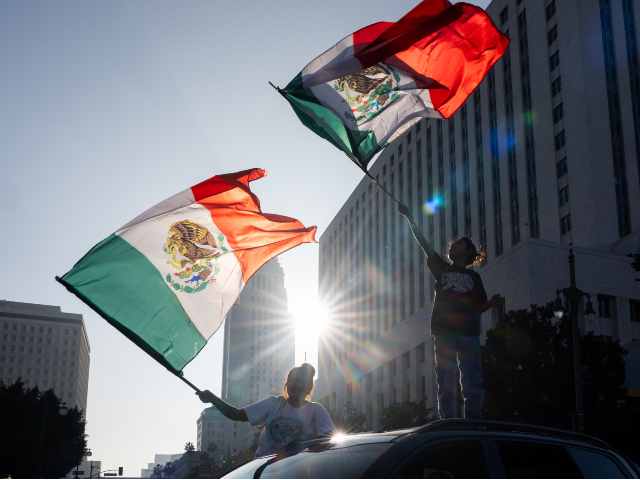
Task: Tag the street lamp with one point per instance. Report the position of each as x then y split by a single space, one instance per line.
573 295
62 410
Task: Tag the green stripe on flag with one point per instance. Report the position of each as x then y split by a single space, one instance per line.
128 291
360 146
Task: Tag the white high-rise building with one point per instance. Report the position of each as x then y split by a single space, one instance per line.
45 347
259 342
544 156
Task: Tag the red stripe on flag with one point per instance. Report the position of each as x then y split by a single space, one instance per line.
423 13
254 236
363 37
458 56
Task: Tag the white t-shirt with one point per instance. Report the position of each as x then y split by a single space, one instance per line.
284 424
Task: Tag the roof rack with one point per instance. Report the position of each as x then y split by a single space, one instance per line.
460 424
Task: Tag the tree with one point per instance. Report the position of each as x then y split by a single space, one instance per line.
407 414
347 419
527 364
158 471
189 448
636 261
250 452
21 413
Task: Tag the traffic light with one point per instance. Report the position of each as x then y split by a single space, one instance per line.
120 471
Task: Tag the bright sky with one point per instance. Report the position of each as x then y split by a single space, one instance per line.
107 108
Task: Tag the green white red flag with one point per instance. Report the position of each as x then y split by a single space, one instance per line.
168 277
373 85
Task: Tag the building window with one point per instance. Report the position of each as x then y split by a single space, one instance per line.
558 113
552 36
556 86
554 61
604 306
634 308
409 138
562 167
565 224
504 16
560 140
564 195
551 10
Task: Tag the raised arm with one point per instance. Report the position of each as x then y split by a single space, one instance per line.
426 246
229 411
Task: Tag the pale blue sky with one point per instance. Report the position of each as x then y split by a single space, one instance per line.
107 108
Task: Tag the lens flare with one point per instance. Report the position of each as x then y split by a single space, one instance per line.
432 206
528 117
509 141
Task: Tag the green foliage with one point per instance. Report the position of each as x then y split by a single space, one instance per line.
189 447
250 452
527 364
21 414
407 415
164 471
347 419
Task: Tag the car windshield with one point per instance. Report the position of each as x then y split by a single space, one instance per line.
350 462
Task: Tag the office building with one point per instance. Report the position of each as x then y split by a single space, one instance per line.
544 156
47 348
229 437
259 342
159 459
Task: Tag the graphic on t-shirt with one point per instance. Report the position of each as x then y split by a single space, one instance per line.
458 281
284 430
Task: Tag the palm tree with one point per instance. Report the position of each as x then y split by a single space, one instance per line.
189 449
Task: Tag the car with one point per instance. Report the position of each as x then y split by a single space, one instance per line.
453 448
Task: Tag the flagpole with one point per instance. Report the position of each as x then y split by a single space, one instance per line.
362 168
373 179
187 382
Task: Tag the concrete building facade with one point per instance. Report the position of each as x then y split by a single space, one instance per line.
228 436
259 343
47 348
544 156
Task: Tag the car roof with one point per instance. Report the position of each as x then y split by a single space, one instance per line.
493 426
444 426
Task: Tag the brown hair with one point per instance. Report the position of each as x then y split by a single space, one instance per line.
308 372
475 257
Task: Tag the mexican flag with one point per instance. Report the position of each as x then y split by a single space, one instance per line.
373 85
168 277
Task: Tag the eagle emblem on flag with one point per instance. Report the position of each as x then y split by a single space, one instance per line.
369 91
199 249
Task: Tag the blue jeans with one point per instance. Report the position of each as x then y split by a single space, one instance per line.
451 353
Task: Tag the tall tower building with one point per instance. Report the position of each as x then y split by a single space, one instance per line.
544 156
46 348
259 340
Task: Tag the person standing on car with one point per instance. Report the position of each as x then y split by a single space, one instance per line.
455 321
289 418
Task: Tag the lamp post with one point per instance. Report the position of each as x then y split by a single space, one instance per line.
573 295
62 410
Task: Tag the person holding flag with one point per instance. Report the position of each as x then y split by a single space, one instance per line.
288 418
455 321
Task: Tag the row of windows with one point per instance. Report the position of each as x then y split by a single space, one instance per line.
32 350
605 308
32 339
33 328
